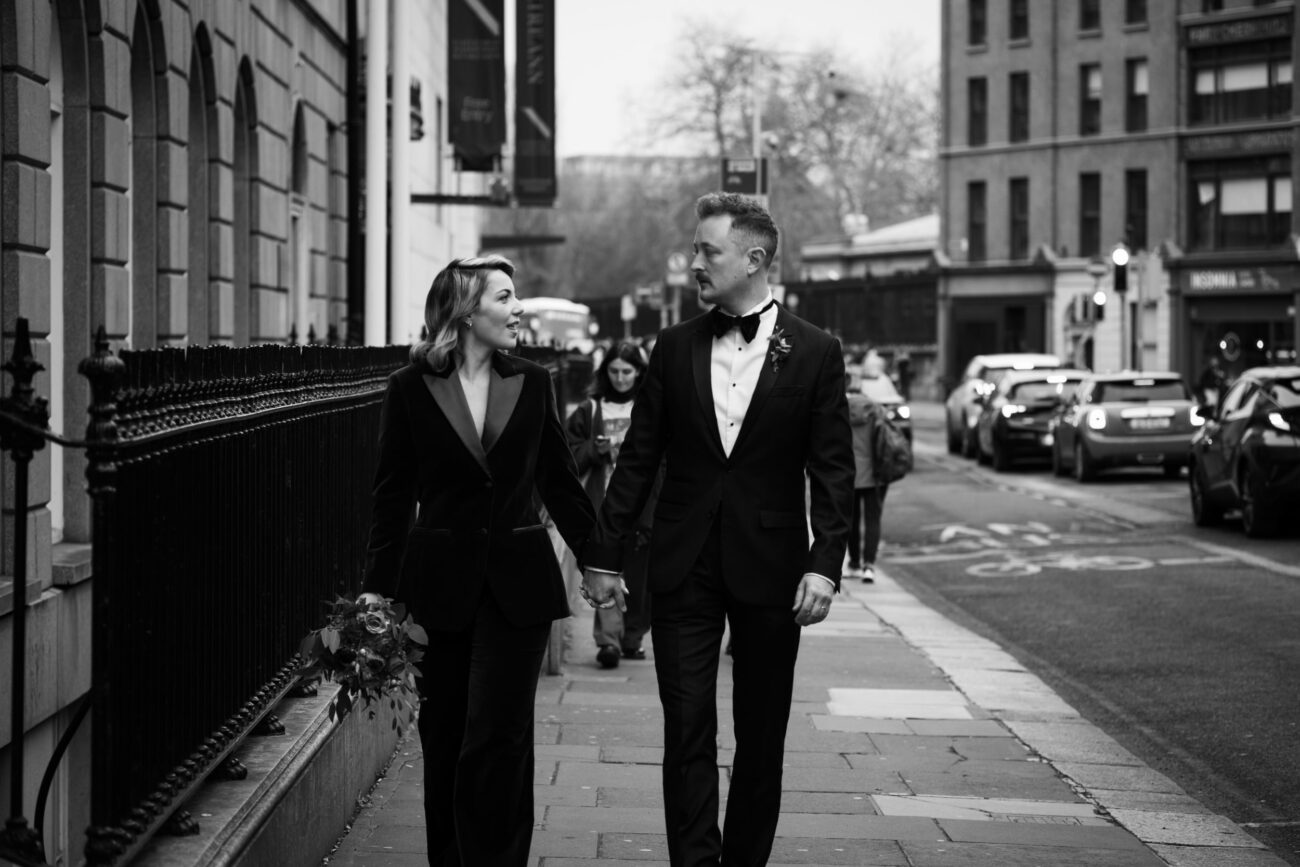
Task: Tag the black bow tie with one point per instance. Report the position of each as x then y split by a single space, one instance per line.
724 322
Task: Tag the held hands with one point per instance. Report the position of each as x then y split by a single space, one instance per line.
603 589
812 600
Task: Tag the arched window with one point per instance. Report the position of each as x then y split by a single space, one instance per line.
245 216
202 150
299 233
148 97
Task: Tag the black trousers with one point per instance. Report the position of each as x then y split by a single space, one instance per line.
864 532
688 624
476 730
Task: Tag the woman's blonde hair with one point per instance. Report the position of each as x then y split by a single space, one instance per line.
454 295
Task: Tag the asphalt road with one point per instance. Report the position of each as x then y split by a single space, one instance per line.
1179 642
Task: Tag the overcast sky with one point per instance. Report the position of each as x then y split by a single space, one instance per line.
610 54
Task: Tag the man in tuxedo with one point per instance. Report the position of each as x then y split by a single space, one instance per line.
747 404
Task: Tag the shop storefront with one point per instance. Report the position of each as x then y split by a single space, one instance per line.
1246 316
983 312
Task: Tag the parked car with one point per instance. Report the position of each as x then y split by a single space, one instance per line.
1247 456
1014 419
882 391
1125 419
962 408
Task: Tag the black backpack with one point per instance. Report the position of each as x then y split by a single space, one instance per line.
891 453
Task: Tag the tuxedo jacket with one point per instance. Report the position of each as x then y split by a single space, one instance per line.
455 515
794 438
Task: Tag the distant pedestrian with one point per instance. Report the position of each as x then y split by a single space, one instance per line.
1212 381
865 416
469 434
596 428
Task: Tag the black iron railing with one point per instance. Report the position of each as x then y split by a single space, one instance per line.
231 491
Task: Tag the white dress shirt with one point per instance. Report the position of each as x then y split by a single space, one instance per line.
734 369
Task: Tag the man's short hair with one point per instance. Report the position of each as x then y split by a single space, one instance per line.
748 218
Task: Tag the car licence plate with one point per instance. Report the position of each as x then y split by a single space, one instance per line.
1148 423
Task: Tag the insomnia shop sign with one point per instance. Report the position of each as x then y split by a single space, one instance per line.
1241 281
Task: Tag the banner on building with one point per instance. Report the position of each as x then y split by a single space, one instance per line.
476 66
535 102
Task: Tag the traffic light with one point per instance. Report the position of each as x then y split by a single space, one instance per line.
1119 258
1098 306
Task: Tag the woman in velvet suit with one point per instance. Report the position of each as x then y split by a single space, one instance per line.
468 433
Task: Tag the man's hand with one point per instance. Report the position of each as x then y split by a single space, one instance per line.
604 589
812 601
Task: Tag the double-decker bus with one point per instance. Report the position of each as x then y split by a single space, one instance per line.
556 322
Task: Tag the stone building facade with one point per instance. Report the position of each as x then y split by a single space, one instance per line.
177 172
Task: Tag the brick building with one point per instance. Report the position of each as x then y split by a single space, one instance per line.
178 173
1075 126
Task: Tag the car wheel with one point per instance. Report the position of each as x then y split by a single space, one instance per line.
1204 513
1256 519
954 441
1173 471
1001 460
1084 470
970 445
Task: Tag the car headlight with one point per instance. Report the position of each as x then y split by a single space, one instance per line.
904 411
1010 409
1277 421
1097 419
1195 417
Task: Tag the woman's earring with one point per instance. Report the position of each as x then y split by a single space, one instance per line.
469 322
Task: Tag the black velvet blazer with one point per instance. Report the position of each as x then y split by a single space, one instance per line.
794 439
476 529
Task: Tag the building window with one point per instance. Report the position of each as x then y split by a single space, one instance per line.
1246 81
1090 15
1211 5
1019 211
1135 11
1089 214
1135 208
1018 129
1090 99
976 217
1136 85
1240 204
977 104
977 33
1019 28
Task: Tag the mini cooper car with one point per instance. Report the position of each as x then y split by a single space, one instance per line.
962 408
1247 456
1014 421
1125 419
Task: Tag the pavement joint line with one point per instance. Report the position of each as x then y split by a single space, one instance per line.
915 623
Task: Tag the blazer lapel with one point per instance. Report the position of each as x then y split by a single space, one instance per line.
503 395
701 368
766 380
450 398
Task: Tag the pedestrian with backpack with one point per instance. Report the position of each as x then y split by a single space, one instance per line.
881 455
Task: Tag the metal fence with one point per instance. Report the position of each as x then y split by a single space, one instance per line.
231 491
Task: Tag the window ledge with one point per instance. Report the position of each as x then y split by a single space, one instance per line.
1022 42
1090 34
7 594
71 563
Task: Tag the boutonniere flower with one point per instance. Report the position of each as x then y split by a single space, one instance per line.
778 348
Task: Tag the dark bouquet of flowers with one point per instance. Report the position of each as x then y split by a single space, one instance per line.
370 651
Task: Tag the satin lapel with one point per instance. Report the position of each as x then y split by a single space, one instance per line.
450 398
701 363
767 378
503 395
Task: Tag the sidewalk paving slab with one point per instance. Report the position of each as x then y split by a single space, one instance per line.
912 742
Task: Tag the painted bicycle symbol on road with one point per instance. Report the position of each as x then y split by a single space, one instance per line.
1014 565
